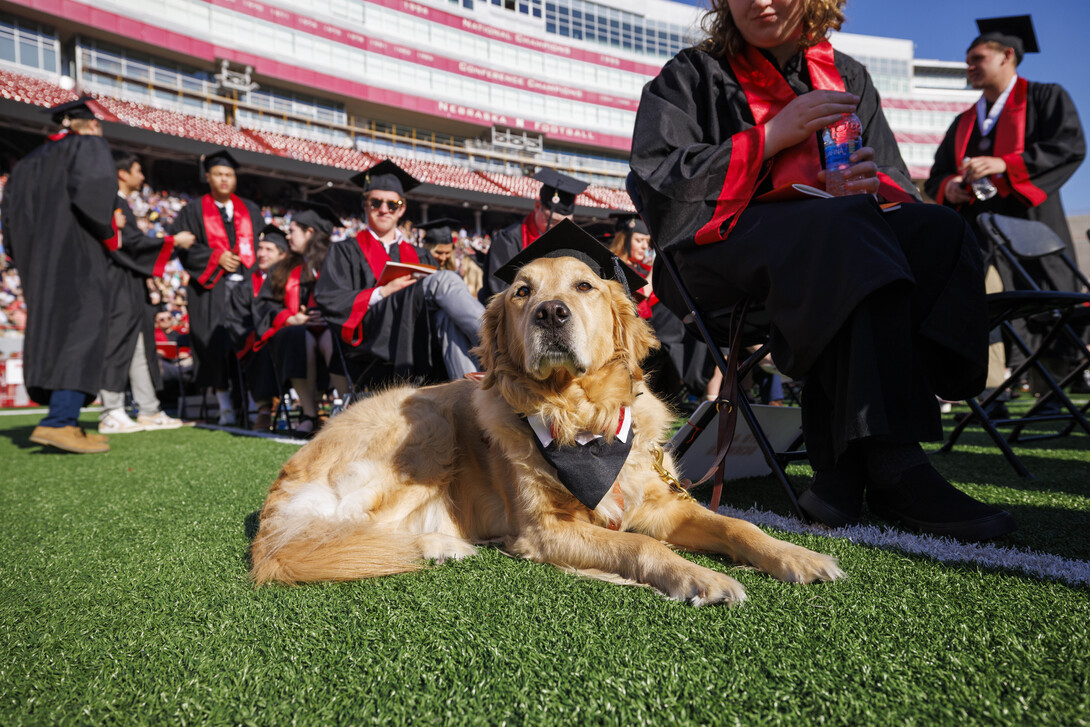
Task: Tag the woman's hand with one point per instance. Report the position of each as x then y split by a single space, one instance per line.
299 318
804 116
862 176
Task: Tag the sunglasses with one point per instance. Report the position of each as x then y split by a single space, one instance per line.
393 204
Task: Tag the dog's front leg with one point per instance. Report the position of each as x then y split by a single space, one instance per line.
580 545
690 526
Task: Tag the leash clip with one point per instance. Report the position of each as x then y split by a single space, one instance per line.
672 482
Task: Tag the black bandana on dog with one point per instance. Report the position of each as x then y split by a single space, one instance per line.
590 467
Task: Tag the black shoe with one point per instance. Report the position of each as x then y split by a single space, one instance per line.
923 500
835 497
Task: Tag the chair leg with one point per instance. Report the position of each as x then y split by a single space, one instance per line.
770 455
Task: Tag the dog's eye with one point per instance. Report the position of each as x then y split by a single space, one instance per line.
523 291
584 286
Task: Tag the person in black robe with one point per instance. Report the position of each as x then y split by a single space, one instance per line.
131 359
681 364
257 367
58 222
226 227
420 327
555 202
287 321
1028 168
1025 137
878 309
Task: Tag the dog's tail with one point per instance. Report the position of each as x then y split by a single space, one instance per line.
345 556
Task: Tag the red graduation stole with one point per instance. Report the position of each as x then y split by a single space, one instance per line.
767 93
1010 143
217 233
257 278
529 231
374 252
291 291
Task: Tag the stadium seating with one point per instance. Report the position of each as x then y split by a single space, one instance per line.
39 92
178 124
313 151
31 90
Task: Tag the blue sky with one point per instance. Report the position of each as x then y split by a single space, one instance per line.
943 28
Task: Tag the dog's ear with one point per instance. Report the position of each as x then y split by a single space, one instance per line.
633 338
491 349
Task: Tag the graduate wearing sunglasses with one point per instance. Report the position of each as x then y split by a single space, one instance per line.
422 327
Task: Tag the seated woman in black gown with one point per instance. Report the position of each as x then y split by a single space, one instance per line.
878 309
287 319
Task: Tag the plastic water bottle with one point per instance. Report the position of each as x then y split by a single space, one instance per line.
982 188
842 138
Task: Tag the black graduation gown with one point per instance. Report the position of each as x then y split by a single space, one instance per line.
257 368
1054 147
58 209
812 263
396 330
207 301
286 344
505 245
139 257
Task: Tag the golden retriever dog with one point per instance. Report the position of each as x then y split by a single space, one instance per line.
422 474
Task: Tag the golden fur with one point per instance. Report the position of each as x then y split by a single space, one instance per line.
413 475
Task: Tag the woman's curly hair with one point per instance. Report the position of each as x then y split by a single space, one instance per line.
818 17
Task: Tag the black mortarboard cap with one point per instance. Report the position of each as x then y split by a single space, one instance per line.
1013 31
629 222
439 232
558 191
316 215
218 158
567 239
272 233
69 110
386 176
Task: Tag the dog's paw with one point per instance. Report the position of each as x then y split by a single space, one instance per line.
703 587
441 548
795 564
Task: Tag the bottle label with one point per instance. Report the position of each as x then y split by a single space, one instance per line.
837 156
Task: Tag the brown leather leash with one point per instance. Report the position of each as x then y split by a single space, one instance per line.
726 404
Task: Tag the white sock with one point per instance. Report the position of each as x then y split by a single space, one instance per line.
223 398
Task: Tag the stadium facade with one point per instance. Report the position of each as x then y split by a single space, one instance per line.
475 92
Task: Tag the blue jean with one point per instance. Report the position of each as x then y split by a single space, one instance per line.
64 407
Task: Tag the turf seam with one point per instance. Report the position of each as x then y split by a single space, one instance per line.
946 550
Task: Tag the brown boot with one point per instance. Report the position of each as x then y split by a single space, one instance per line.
70 439
96 437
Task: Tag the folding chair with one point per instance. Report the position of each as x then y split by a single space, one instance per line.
1053 313
749 325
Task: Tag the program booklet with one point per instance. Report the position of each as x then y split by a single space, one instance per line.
392 270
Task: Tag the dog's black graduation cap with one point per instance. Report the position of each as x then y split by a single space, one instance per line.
1013 31
78 109
218 158
558 191
386 177
316 215
272 233
567 239
629 222
439 232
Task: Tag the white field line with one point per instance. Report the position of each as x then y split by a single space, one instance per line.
947 550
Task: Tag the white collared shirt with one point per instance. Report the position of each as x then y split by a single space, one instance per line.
986 119
229 207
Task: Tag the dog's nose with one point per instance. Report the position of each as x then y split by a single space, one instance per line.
551 314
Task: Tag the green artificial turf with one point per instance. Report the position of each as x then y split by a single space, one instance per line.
124 599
